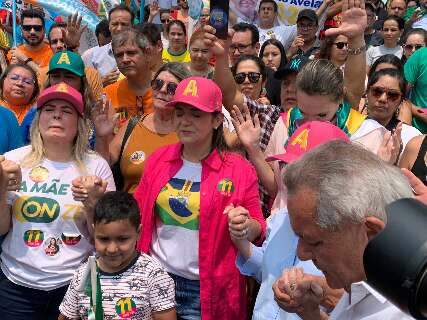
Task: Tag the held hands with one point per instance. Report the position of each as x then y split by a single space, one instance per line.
238 222
248 130
74 31
390 148
88 189
102 117
10 175
296 292
354 20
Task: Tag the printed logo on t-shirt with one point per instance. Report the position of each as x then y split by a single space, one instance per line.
125 308
137 157
36 209
33 238
225 187
39 174
178 203
71 239
52 246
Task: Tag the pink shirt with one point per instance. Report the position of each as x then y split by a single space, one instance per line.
232 180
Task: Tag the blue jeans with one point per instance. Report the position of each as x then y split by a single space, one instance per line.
187 296
22 303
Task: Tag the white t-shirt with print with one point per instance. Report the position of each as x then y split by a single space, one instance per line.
175 240
285 34
134 293
48 239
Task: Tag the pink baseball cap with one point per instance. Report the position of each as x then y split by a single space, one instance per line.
201 93
307 137
62 91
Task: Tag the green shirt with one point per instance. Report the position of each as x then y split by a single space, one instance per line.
416 74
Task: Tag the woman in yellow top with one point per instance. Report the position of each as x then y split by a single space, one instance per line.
177 50
18 89
147 133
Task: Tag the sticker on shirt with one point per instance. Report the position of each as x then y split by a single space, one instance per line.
70 239
33 238
125 308
225 187
178 204
39 174
36 209
52 246
137 157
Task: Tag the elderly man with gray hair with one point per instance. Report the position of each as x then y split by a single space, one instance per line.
337 196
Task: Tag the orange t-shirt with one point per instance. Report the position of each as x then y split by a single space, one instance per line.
19 111
41 56
126 102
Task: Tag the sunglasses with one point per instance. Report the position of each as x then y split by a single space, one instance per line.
252 76
341 45
164 20
412 47
392 95
16 77
157 84
29 27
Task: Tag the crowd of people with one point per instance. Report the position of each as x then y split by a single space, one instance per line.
170 174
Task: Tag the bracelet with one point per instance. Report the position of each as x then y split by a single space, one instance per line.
356 51
28 60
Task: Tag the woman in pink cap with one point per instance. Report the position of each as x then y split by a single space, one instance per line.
47 229
196 200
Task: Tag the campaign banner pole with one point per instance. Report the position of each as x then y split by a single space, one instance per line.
141 11
14 22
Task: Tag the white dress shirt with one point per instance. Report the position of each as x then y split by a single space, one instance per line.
364 303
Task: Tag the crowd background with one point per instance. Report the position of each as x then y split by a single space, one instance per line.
205 141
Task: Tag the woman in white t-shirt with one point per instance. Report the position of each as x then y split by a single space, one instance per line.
47 230
391 31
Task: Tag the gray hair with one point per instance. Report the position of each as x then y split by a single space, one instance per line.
321 77
350 183
133 36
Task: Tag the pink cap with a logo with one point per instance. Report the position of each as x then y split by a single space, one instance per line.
61 91
307 137
201 93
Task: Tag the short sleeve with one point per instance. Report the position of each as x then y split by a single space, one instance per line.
70 304
162 290
369 56
103 170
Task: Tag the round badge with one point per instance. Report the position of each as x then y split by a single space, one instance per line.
225 187
39 174
70 239
137 157
125 308
33 238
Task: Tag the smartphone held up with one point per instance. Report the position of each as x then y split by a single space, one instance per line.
219 17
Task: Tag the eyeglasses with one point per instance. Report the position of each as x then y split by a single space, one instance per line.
306 26
157 84
164 20
412 47
16 77
392 95
240 47
29 27
341 45
252 76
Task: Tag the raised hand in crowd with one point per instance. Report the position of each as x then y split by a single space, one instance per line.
10 175
74 31
297 43
110 77
420 190
103 117
391 146
154 11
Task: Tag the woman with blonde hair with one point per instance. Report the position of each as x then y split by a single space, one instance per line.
34 274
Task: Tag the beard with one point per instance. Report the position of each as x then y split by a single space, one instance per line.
33 41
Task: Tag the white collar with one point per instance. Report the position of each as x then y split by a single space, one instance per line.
360 290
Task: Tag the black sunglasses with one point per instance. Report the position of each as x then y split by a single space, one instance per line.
252 76
411 47
36 27
164 20
157 84
392 95
341 45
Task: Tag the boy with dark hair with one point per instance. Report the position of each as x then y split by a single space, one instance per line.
120 282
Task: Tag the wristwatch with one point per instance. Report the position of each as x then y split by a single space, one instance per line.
356 51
